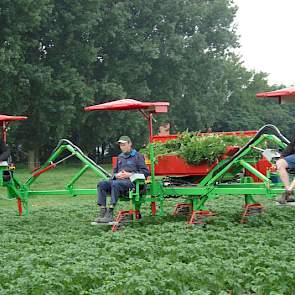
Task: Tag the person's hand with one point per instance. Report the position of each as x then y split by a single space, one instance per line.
119 175
126 174
123 174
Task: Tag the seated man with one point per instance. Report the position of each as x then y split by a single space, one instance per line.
129 161
4 152
287 161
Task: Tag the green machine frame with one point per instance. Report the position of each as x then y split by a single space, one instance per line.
156 191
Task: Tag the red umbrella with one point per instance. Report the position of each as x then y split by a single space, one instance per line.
132 104
285 95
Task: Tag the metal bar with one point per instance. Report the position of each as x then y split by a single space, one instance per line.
39 172
62 160
19 206
209 175
235 161
151 126
276 140
215 190
247 185
52 165
63 192
257 149
144 114
52 157
249 200
77 176
254 171
99 172
152 159
55 154
89 160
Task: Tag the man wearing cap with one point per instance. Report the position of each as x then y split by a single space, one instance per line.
129 161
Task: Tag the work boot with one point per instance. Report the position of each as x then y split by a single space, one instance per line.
102 213
284 198
108 217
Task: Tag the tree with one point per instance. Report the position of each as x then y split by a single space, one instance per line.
165 50
57 56
54 50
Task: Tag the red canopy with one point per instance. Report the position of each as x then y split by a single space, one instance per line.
4 118
285 95
130 104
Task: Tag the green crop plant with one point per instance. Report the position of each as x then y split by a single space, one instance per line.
195 148
56 251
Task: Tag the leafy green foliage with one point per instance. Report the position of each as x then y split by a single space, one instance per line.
57 56
56 251
196 149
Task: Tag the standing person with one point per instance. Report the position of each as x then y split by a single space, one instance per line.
129 161
164 129
287 161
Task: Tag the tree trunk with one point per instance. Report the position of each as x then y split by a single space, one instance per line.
33 159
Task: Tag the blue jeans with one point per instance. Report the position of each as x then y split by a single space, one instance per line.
290 161
116 188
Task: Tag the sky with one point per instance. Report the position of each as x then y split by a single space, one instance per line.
267 37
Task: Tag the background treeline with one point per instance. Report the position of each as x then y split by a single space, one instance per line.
57 56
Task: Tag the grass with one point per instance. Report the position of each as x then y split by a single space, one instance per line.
55 250
55 179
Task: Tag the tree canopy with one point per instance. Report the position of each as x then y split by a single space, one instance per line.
57 56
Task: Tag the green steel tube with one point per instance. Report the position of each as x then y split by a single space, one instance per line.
86 162
254 171
215 190
249 200
235 161
32 179
152 159
77 176
64 192
55 155
276 140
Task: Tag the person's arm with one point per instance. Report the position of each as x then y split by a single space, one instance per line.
5 152
141 166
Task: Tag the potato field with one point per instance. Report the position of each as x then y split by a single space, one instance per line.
55 250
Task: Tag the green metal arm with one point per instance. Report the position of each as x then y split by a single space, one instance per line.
99 171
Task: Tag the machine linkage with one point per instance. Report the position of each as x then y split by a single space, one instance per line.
213 181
